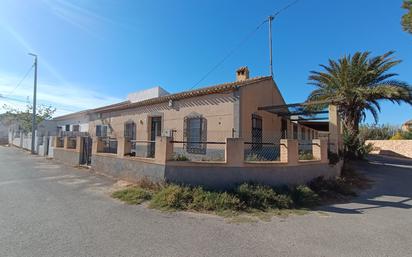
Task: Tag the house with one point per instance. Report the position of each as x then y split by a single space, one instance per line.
214 136
407 126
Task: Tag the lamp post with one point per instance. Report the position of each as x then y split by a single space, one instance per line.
33 123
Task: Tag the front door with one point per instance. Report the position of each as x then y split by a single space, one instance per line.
155 131
86 153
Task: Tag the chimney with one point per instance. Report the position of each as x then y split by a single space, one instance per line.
242 73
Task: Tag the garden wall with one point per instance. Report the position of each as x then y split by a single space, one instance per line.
398 148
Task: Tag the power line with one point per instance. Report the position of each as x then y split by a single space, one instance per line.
243 41
21 81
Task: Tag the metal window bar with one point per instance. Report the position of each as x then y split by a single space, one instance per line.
71 142
211 149
263 146
305 150
109 145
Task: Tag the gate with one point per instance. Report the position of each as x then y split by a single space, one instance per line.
86 151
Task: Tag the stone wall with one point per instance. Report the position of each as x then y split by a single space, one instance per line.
223 177
398 148
67 156
131 169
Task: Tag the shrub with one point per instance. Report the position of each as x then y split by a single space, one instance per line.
181 157
133 195
305 155
331 188
213 201
262 197
172 197
303 196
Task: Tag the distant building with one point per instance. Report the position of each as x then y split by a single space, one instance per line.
407 126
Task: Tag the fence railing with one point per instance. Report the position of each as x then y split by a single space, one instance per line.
109 145
199 145
142 148
262 146
305 150
71 142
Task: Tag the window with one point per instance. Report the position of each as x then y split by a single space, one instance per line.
295 131
76 128
101 130
303 133
257 133
67 127
195 134
130 131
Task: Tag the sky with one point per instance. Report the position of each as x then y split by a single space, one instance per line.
93 53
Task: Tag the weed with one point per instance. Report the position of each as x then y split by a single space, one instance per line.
133 195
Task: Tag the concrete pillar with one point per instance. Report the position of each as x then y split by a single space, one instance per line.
79 144
121 141
66 142
163 149
334 129
97 145
289 151
235 152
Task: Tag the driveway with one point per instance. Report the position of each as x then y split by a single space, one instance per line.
48 209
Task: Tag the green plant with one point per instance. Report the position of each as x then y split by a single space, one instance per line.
356 84
263 197
407 17
304 196
133 195
213 201
172 197
377 132
331 188
181 157
305 155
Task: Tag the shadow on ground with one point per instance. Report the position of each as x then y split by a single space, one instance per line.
391 186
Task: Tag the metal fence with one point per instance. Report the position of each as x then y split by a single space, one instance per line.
143 148
199 146
305 150
109 145
71 142
263 146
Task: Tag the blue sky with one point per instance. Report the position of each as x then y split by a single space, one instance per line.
92 53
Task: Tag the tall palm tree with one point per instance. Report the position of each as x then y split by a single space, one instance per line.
357 84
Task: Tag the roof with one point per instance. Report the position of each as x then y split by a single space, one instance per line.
407 122
186 94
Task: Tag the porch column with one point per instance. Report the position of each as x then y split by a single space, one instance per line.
66 142
334 129
121 141
289 151
79 144
320 150
163 149
235 152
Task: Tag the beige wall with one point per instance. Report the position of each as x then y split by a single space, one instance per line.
400 148
259 95
217 109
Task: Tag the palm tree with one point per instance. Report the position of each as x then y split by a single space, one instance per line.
357 84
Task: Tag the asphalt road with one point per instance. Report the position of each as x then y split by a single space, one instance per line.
48 209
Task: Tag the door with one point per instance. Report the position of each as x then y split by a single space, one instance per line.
155 131
256 132
86 153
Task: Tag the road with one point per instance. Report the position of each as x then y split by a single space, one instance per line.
49 209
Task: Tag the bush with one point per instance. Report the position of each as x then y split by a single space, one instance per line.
181 157
331 188
305 155
213 201
262 197
172 197
133 195
303 196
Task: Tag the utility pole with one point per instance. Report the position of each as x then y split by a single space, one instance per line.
33 123
270 19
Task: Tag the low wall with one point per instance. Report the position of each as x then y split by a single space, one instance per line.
223 177
131 169
67 156
398 148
